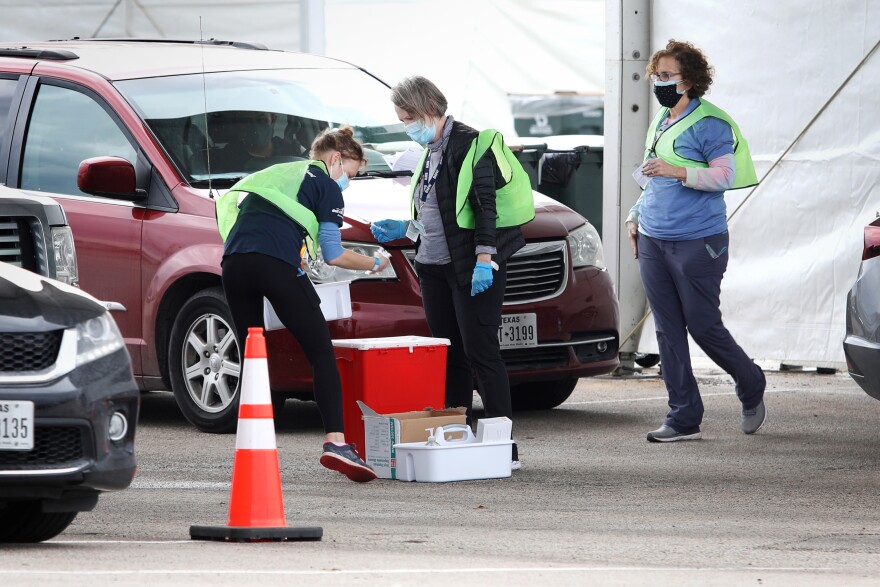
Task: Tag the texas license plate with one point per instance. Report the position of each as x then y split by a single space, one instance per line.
518 331
16 425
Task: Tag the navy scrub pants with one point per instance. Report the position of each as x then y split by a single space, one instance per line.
683 284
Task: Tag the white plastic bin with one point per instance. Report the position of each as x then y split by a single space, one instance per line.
335 304
453 459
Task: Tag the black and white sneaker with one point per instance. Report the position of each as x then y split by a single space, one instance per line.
346 461
668 434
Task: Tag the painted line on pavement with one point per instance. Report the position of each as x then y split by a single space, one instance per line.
152 484
733 393
472 571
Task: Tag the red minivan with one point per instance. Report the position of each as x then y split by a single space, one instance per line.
135 139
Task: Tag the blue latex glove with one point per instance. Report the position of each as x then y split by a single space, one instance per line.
482 278
388 230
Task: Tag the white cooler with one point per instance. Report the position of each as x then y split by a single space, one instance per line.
335 304
456 457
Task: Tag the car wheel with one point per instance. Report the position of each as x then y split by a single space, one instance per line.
647 360
541 395
205 364
27 522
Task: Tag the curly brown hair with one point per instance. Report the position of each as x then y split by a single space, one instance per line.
338 139
695 69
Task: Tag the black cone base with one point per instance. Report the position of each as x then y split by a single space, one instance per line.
241 534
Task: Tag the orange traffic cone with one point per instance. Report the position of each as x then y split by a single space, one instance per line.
256 505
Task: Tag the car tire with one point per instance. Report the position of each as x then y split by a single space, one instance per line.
647 360
541 395
205 363
27 522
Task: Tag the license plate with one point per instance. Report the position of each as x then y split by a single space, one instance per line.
16 425
518 331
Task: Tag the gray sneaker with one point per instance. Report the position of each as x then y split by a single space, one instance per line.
668 434
752 420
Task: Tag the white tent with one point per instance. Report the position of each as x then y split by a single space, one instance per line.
476 52
794 244
273 22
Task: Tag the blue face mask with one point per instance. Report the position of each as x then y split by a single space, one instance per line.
420 132
342 181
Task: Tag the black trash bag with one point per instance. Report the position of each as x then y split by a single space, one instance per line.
557 169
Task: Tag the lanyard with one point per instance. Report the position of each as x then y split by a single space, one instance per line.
657 134
428 180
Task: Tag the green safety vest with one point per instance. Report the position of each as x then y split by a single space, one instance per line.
664 147
514 202
280 185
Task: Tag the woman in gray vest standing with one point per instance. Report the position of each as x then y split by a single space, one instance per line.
462 272
678 230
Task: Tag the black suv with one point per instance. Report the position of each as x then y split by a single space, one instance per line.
68 401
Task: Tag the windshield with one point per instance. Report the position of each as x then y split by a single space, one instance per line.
259 118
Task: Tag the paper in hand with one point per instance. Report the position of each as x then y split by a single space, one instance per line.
640 177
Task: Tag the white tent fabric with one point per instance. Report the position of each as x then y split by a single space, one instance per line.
476 52
272 22
796 243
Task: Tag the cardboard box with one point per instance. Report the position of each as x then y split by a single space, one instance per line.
383 431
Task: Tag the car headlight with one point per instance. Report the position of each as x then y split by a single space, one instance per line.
586 247
96 338
65 255
321 272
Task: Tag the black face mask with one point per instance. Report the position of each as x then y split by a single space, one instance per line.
668 96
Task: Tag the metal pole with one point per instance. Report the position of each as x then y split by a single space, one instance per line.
627 111
311 27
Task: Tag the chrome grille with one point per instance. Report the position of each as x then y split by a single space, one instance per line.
536 272
28 351
11 232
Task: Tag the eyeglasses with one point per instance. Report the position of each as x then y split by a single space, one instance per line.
663 76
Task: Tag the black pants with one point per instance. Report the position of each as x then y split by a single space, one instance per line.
247 279
471 325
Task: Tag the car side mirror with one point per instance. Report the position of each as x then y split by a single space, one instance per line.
109 176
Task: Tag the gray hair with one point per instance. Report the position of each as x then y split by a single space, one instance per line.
419 97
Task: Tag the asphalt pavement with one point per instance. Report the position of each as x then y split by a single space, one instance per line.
594 504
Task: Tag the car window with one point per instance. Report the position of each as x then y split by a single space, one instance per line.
258 118
7 90
65 128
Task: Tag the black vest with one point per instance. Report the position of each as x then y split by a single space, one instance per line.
462 242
